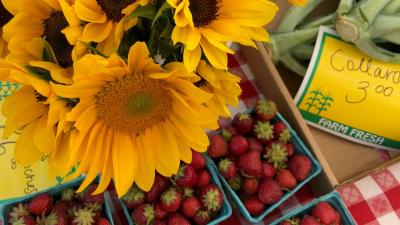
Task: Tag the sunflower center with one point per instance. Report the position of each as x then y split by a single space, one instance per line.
57 40
39 97
133 103
5 16
203 11
113 8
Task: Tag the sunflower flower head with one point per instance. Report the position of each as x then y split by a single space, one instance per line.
298 2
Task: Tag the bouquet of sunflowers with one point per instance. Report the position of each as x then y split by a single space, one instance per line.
121 88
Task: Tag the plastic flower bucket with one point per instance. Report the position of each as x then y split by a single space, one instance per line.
224 213
6 205
332 198
300 147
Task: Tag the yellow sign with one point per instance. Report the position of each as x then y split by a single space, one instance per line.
350 94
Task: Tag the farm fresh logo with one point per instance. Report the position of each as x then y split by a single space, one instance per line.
318 102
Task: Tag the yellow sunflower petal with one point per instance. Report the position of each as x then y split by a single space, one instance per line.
107 171
69 14
90 11
192 58
11 5
78 90
217 57
54 4
44 137
25 152
146 167
97 32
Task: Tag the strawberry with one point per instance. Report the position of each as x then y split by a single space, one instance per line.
143 214
289 149
263 131
17 212
266 110
286 222
89 198
309 220
186 176
159 222
250 186
159 212
254 206
211 198
67 194
218 147
277 155
236 182
243 123
300 166
177 219
41 204
56 218
227 168
202 217
250 163
286 179
74 207
338 219
159 186
228 132
102 221
203 178
294 221
198 160
96 208
325 213
269 192
187 192
255 145
268 170
281 132
171 200
133 197
238 145
190 206
24 220
279 127
83 217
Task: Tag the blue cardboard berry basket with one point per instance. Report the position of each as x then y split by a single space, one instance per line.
300 147
332 198
224 213
6 205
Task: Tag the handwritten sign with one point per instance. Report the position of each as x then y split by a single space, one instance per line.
351 95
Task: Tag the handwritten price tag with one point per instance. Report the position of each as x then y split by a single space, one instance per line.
351 95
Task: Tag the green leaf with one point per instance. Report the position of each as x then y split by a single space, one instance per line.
48 54
39 72
167 32
147 11
164 7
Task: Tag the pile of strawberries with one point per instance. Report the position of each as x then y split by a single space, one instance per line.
68 208
254 154
322 214
188 198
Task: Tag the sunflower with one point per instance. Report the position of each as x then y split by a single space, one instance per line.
223 85
5 17
207 25
134 119
106 21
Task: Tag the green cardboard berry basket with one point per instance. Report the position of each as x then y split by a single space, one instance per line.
332 198
300 147
6 205
224 213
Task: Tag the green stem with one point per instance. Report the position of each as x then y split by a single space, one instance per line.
368 10
324 20
392 37
374 51
384 24
295 15
291 63
303 52
345 6
392 8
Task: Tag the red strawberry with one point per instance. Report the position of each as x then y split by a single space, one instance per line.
177 219
24 220
266 110
263 131
236 182
41 204
294 221
56 218
89 198
286 222
187 192
279 127
17 212
300 166
228 132
250 186
171 200
83 216
254 206
255 145
96 208
133 197
203 178
143 214
103 221
160 185
61 207
67 194
202 217
227 168
159 212
243 123
250 163
269 192
211 198
338 219
309 220
286 179
218 147
198 160
277 155
186 176
190 206
268 170
159 222
238 145
325 213
289 149
281 132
